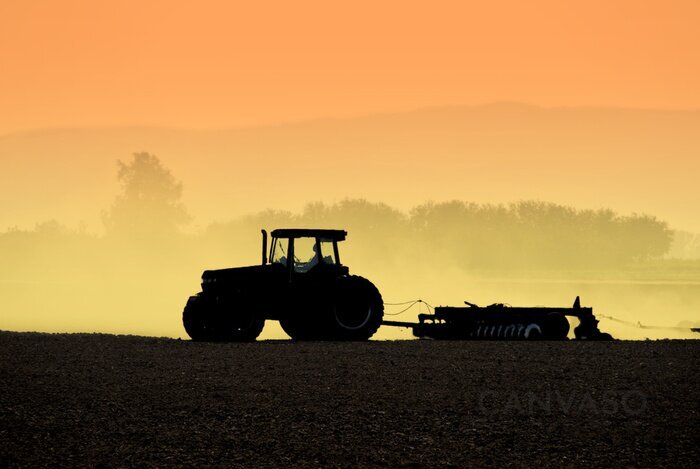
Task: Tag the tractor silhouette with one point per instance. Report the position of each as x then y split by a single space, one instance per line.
302 284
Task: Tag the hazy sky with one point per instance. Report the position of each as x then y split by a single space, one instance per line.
210 63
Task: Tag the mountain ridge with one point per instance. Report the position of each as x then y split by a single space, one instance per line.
418 110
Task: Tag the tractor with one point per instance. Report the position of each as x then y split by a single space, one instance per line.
302 284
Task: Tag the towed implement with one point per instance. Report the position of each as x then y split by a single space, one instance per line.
504 322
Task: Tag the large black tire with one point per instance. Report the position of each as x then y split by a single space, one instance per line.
204 320
195 319
350 309
554 326
241 328
307 317
298 328
357 309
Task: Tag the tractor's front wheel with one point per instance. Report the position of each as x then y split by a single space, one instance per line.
205 320
241 328
196 320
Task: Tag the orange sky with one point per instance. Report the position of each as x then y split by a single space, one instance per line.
221 63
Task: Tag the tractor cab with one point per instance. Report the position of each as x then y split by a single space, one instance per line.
302 251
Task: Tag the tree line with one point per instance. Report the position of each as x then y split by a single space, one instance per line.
147 220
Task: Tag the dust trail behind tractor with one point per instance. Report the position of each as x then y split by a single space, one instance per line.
499 321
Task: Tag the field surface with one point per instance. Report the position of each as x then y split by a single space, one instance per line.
122 401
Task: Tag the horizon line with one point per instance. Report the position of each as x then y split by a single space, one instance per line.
348 117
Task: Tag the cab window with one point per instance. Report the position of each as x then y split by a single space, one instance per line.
327 252
279 251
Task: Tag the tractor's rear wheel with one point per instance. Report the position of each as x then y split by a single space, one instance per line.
351 309
358 309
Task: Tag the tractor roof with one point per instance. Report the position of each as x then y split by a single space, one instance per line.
337 235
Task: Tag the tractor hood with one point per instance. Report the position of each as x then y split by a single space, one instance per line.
219 275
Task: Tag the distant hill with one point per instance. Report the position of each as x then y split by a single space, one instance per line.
629 160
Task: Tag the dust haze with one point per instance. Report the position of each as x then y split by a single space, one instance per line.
134 275
499 203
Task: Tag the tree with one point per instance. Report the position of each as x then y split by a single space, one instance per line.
150 203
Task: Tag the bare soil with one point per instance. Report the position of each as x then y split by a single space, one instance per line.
87 400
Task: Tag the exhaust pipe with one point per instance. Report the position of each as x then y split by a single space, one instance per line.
264 247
